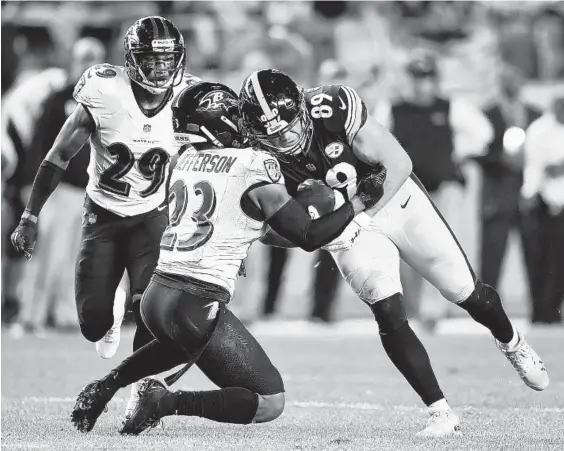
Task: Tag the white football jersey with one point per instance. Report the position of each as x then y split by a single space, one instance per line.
131 152
209 233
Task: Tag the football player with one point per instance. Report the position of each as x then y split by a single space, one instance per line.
221 198
125 113
326 133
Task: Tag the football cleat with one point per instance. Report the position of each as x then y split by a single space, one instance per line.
109 344
146 413
441 423
91 403
526 362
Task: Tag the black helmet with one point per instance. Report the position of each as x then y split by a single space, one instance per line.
207 112
148 37
273 113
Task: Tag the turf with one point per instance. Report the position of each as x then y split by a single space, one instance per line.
342 394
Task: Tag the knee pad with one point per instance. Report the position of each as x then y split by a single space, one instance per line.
484 297
96 325
389 313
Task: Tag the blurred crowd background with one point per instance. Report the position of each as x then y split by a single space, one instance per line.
502 60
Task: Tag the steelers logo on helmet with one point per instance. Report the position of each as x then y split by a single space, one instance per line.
334 150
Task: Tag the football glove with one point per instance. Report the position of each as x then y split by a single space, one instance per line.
25 236
371 188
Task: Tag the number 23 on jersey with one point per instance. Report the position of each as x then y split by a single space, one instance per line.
185 234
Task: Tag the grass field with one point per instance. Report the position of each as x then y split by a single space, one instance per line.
342 394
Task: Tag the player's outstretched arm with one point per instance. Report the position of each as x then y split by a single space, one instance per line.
290 220
375 144
75 132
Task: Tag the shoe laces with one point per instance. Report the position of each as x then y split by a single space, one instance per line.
521 358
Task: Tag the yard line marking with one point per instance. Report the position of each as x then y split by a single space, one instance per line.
316 405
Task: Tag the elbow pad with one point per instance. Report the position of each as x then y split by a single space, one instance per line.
294 223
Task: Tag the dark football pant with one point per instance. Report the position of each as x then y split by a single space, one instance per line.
192 316
110 245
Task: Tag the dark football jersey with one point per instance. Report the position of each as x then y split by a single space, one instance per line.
337 113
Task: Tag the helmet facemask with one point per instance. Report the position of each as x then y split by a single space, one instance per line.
292 140
141 64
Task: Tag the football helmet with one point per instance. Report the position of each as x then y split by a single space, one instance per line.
154 54
273 113
207 113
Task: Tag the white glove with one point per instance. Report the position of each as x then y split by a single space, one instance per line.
346 239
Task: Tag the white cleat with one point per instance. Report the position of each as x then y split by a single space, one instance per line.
109 344
441 423
526 362
133 398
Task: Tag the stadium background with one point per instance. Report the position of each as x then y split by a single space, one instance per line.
371 40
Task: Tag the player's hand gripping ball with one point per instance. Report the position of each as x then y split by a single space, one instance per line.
316 197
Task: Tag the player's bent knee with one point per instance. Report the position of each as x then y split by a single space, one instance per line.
94 330
270 407
389 313
366 285
484 297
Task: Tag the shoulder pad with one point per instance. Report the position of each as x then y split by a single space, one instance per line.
95 83
339 107
263 168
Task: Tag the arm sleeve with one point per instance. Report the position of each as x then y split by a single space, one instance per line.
472 129
534 163
294 223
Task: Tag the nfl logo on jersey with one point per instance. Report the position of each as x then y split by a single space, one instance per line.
147 128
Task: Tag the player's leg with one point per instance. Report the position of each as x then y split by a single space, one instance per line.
325 287
251 389
99 268
277 263
427 244
371 268
142 250
152 358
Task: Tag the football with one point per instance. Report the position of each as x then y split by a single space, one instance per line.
316 197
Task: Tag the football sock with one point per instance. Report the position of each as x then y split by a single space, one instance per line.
485 307
409 356
512 343
229 405
153 358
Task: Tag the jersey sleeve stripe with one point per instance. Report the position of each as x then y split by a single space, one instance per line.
350 109
355 115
